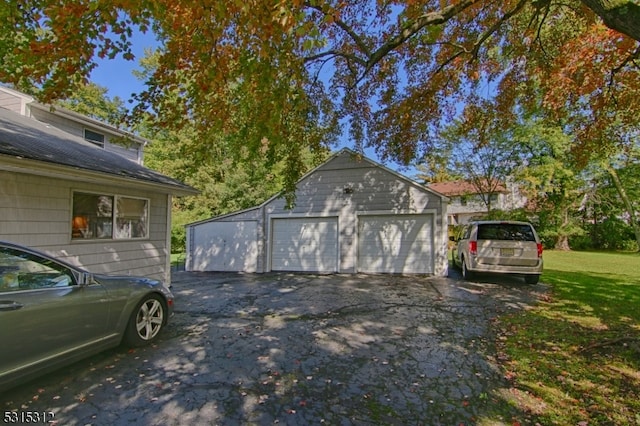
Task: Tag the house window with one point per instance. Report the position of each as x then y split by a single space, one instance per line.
131 218
98 216
94 137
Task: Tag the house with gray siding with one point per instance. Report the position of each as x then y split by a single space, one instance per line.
84 204
468 202
351 215
103 135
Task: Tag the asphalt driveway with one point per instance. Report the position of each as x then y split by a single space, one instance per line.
299 349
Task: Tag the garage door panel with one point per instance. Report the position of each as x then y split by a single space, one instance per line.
305 244
395 244
226 246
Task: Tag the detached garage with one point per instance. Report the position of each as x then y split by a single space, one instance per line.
352 215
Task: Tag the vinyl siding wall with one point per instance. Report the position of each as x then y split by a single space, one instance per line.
374 189
199 235
77 129
11 102
370 189
36 211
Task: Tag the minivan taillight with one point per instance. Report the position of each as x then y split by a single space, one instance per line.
473 248
539 249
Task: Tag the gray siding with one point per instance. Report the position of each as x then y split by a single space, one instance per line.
77 129
36 211
10 102
325 192
346 188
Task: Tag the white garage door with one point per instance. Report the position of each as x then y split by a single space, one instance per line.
395 244
225 246
304 244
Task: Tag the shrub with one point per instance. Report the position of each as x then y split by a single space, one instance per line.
613 234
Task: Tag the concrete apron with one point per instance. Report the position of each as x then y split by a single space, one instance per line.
298 349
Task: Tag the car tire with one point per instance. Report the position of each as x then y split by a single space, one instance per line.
466 274
531 279
147 320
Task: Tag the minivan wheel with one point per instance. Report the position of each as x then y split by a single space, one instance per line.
531 279
466 274
146 321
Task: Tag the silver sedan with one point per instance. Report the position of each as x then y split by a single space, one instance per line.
52 313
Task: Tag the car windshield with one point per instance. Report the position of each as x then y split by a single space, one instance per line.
505 231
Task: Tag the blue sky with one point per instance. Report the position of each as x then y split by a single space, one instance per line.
116 74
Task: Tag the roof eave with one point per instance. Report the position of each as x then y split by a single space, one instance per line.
46 169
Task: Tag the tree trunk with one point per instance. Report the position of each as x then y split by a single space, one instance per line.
562 242
620 15
635 224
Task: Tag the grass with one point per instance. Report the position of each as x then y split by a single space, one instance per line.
575 358
177 259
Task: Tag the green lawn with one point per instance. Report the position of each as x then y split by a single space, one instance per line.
575 358
178 259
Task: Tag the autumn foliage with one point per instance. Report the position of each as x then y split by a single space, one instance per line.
277 76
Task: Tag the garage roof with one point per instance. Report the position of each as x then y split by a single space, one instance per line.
344 151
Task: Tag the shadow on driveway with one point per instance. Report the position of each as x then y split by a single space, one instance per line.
300 349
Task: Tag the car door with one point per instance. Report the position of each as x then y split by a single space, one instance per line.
462 245
44 313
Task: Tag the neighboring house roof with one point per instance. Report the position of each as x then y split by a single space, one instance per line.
462 187
25 138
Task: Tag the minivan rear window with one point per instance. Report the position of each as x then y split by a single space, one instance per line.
505 231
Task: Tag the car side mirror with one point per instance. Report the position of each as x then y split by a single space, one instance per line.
85 278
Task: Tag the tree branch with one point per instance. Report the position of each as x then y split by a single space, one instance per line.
496 26
599 345
620 15
347 29
410 29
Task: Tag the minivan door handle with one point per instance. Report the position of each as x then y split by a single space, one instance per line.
10 305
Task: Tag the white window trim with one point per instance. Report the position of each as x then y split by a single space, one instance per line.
113 218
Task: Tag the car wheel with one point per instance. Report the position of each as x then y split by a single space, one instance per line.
531 279
466 274
146 321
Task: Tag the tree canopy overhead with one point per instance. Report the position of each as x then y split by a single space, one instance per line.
276 76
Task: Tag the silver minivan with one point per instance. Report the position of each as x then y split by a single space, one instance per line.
505 247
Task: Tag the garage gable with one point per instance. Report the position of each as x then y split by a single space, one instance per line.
350 215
